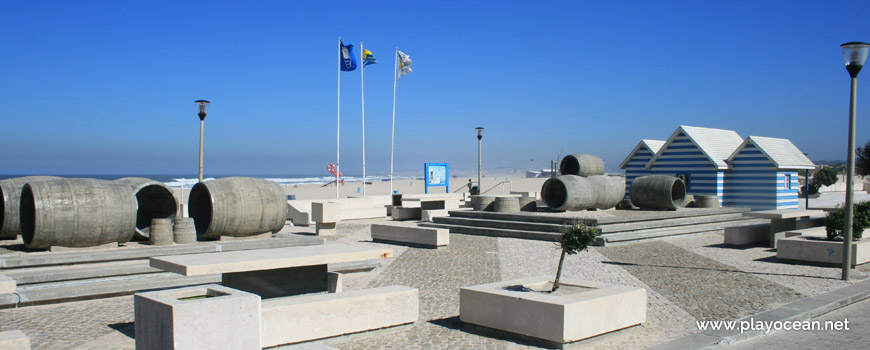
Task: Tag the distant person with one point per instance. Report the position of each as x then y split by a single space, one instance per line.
469 185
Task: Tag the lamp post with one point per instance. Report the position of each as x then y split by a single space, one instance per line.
479 136
202 108
854 54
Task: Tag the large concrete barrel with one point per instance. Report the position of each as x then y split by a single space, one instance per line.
506 205
706 201
10 200
657 192
76 213
160 231
609 190
581 164
236 206
482 203
155 200
568 192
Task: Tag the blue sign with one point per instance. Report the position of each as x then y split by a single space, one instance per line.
437 174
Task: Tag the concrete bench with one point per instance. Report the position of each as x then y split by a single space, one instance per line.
405 213
751 234
410 233
431 203
299 212
782 220
308 317
14 340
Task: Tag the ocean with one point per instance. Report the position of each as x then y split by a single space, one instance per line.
184 181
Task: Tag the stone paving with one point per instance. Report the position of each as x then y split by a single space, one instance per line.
687 279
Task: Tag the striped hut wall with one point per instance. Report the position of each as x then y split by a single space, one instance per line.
755 182
682 156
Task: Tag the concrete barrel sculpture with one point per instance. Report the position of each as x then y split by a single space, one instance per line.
568 192
482 203
160 231
658 192
10 200
155 201
184 231
76 213
236 206
506 205
528 204
581 164
609 190
706 201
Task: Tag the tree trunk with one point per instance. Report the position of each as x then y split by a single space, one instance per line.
559 271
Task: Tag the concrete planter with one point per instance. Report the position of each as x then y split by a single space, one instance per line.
578 310
201 317
820 250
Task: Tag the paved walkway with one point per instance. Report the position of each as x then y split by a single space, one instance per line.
687 279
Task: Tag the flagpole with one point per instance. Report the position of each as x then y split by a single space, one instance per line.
363 93
338 125
393 137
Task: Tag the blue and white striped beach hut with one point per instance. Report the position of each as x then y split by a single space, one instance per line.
764 174
635 164
698 156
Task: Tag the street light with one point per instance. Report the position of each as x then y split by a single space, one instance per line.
854 54
479 136
202 108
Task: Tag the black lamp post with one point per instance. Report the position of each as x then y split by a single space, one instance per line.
854 54
479 136
202 109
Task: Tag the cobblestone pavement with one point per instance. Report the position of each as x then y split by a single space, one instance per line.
706 289
687 279
857 337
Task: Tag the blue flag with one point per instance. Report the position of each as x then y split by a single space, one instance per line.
346 61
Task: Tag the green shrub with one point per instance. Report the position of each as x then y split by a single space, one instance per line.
823 177
836 221
575 238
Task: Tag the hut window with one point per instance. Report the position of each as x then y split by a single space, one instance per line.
788 181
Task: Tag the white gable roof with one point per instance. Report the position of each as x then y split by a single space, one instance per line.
652 145
782 152
716 144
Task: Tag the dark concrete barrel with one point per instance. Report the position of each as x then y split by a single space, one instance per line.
155 201
528 204
76 213
184 231
506 205
160 231
568 192
482 203
706 201
657 192
609 190
581 164
236 206
10 200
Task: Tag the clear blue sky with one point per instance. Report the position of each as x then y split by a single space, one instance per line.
107 87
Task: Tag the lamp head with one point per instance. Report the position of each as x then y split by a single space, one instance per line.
202 108
854 54
479 132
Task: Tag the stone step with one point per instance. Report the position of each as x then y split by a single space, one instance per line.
498 232
46 274
641 235
140 251
666 214
683 221
501 224
567 219
519 217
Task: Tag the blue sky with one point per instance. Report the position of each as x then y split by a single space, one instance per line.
107 87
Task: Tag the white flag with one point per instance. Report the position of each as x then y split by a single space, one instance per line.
404 64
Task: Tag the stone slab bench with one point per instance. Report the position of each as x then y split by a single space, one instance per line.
308 317
751 234
410 233
14 340
405 213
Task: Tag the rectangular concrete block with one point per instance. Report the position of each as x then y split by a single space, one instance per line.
308 317
363 213
7 284
325 228
326 212
283 282
299 211
578 310
405 213
201 317
820 250
411 234
14 340
749 234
